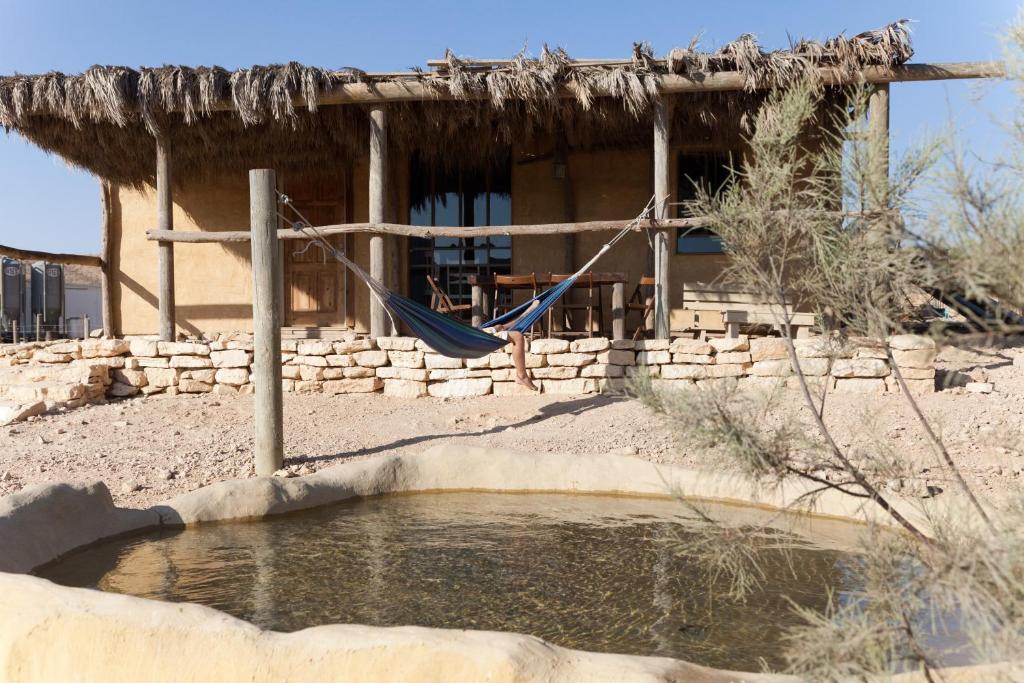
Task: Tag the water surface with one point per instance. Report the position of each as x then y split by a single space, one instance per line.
589 572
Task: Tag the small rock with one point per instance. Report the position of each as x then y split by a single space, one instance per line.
6 476
41 440
285 474
131 487
164 474
119 423
623 450
979 387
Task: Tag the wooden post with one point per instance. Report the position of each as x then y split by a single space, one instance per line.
165 221
662 118
619 310
266 323
85 327
392 243
14 331
378 191
878 134
106 199
560 169
39 326
477 305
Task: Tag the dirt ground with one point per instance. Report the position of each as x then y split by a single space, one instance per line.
147 450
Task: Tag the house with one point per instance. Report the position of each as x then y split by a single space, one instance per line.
559 150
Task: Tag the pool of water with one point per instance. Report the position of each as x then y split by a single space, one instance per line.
588 572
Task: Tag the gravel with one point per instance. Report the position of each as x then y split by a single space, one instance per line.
147 450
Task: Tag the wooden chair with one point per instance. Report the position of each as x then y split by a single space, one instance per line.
565 307
510 283
442 303
644 304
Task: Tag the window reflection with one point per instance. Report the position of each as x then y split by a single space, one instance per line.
466 197
711 171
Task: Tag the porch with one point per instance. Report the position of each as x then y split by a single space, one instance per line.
587 142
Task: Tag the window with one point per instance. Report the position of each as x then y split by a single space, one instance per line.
698 241
463 197
710 170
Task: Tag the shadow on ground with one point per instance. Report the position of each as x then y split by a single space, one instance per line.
552 410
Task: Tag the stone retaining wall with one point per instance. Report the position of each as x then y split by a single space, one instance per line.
404 366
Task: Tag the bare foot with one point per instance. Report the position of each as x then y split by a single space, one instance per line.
527 382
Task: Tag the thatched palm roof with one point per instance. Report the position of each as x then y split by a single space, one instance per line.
104 119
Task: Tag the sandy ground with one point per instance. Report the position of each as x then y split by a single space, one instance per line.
147 450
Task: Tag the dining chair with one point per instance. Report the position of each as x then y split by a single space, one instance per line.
505 285
642 302
593 307
442 303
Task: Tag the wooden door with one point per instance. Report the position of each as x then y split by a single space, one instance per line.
314 280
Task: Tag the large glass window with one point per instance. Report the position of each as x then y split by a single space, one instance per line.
463 197
711 171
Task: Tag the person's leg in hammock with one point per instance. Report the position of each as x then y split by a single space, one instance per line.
519 360
519 350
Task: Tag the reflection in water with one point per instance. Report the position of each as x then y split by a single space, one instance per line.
586 572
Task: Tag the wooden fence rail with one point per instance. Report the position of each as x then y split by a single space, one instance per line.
425 231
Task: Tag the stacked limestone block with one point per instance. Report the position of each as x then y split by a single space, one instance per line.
188 367
332 367
405 367
854 366
43 376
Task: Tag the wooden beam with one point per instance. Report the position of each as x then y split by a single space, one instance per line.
878 138
106 227
378 191
662 194
619 310
392 243
268 455
733 80
411 86
476 308
165 254
417 88
67 259
195 237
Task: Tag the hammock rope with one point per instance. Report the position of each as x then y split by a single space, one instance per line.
445 335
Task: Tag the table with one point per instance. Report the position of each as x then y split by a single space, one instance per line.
483 287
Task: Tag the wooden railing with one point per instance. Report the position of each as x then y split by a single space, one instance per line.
196 236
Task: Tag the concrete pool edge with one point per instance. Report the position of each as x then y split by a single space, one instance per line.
48 632
474 468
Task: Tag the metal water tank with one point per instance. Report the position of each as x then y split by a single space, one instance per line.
48 296
12 285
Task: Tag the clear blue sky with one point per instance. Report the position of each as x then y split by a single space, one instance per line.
46 205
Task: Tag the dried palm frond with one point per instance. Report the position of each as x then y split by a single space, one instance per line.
104 119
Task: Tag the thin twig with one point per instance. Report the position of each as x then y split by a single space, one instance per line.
936 442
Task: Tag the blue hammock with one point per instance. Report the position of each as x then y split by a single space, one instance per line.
456 339
448 336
